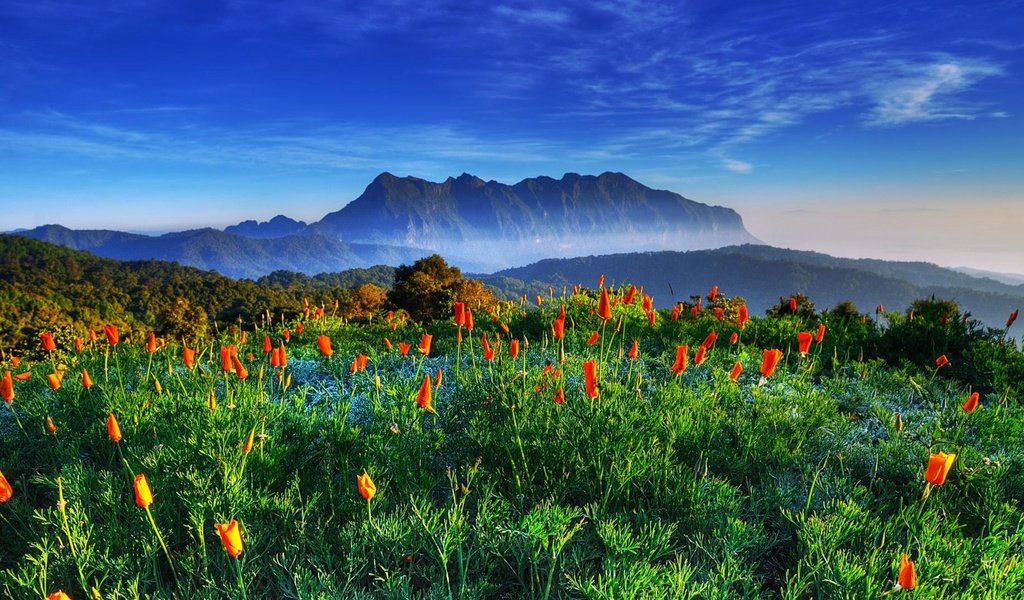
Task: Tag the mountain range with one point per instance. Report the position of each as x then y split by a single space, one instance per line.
478 225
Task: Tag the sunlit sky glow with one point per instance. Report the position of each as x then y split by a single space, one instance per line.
881 129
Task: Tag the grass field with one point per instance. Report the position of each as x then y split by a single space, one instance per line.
542 467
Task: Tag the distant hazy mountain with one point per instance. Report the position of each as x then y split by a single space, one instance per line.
507 225
1008 278
231 255
279 226
763 274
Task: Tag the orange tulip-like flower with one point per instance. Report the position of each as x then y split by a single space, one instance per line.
972 403
743 316
143 495
188 356
803 341
698 356
469 320
231 537
941 361
710 340
513 348
459 310
268 345
240 369
792 304
92 335
907 579
560 396
53 380
79 344
7 388
86 379
425 341
1012 318
679 366
558 328
488 351
593 338
247 446
287 335
23 376
590 378
367 489
438 379
675 312
734 337
282 358
423 397
820 335
113 428
324 344
403 348
6 491
770 360
634 350
225 358
151 343
938 467
713 293
737 368
112 335
879 309
47 339
300 328
58 595
719 312
50 427
604 307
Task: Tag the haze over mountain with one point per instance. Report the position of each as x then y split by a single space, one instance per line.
763 274
477 225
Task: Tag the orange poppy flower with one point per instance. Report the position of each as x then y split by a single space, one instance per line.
792 304
7 388
86 379
188 356
710 340
50 427
593 338
403 348
459 310
734 337
268 346
908 576
488 351
770 360
23 376
972 403
231 537
675 312
604 308
737 368
225 358
240 369
469 320
58 595
47 339
941 361
698 356
630 295
559 396
6 491
820 335
1012 318
367 489
938 467
143 495
438 378
324 344
79 344
53 379
287 335
92 335
634 350
112 335
425 341
713 293
803 340
300 328
513 348
590 378
879 309
423 397
151 343
679 366
719 312
247 446
558 328
113 428
742 316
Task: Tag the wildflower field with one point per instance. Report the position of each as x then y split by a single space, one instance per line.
576 445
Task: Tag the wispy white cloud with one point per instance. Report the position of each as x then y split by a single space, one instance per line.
737 166
929 92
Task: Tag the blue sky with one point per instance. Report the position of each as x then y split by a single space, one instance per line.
886 129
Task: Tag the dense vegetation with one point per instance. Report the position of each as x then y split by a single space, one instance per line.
600 464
